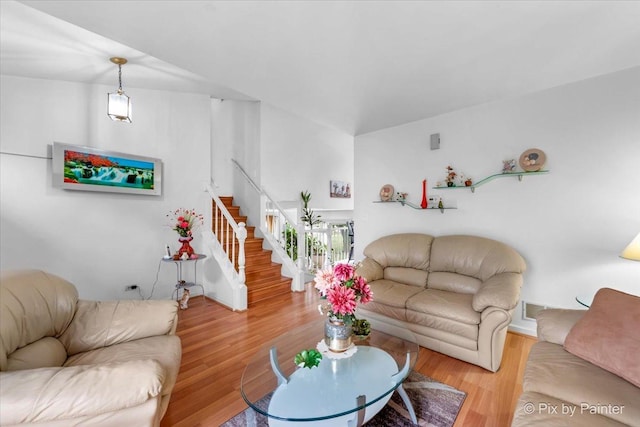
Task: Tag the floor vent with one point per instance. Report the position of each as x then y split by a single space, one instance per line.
530 311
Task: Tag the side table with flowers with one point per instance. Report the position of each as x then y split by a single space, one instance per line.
184 221
343 290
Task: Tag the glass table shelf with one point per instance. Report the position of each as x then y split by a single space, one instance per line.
414 206
490 178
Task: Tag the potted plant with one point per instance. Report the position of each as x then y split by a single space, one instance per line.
308 216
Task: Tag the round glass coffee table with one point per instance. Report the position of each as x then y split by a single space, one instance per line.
345 389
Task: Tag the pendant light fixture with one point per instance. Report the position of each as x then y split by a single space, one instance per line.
118 103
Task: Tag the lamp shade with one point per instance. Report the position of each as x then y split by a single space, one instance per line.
119 107
632 251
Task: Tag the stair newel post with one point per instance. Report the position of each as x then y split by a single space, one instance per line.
242 236
328 259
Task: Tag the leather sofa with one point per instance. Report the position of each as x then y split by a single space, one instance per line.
70 362
561 389
455 294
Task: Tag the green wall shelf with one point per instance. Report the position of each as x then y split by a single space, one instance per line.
414 206
490 178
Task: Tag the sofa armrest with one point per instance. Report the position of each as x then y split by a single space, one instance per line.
98 324
501 290
370 270
47 394
554 324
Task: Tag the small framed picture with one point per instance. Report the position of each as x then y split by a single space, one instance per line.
339 189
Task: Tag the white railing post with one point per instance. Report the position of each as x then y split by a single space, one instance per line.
328 261
242 236
302 246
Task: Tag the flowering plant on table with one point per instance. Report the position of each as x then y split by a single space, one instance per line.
185 220
342 289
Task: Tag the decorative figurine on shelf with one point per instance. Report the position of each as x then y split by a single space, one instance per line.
184 301
451 177
184 256
401 197
423 204
440 204
468 182
508 165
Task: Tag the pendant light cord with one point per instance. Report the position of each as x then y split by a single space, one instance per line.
120 77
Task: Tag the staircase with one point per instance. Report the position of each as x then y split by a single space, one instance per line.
263 278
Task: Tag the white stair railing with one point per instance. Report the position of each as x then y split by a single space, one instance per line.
301 250
284 234
227 238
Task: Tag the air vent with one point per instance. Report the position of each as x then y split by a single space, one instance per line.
530 311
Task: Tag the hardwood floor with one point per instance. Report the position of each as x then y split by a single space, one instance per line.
217 343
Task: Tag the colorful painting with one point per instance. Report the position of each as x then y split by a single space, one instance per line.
340 189
84 168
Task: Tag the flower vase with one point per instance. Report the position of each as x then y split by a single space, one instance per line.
186 247
337 335
423 205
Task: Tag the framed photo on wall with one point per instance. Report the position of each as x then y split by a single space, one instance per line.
339 189
76 167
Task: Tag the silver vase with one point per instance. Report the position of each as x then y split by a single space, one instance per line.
337 335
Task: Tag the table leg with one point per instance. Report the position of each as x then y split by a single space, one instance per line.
358 420
275 366
408 404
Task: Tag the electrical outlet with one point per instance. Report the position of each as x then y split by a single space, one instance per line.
130 288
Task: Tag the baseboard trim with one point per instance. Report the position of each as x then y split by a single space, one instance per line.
523 331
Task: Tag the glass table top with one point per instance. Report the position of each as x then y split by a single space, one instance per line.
334 388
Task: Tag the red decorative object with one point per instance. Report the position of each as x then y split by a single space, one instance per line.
186 247
423 205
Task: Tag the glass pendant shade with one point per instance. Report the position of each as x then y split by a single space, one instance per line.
118 103
632 251
119 107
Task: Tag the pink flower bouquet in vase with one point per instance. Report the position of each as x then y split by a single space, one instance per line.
342 290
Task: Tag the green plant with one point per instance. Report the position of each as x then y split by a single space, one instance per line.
290 235
308 358
361 327
308 216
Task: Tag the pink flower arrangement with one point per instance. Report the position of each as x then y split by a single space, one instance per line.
343 290
185 220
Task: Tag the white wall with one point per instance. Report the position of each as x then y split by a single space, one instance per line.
569 225
298 154
282 152
99 241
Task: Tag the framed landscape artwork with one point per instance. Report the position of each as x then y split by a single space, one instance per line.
90 169
340 189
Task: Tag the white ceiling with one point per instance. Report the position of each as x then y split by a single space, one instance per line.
357 66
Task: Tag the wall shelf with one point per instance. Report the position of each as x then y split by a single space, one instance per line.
414 206
490 178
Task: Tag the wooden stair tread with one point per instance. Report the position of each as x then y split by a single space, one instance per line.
263 276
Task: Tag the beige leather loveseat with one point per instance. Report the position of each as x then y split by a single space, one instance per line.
456 294
563 389
69 362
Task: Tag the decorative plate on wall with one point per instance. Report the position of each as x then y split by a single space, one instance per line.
532 160
386 192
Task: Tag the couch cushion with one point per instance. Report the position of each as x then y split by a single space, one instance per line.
608 334
401 250
45 353
406 275
165 349
457 329
474 256
392 293
453 282
448 305
34 305
553 371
